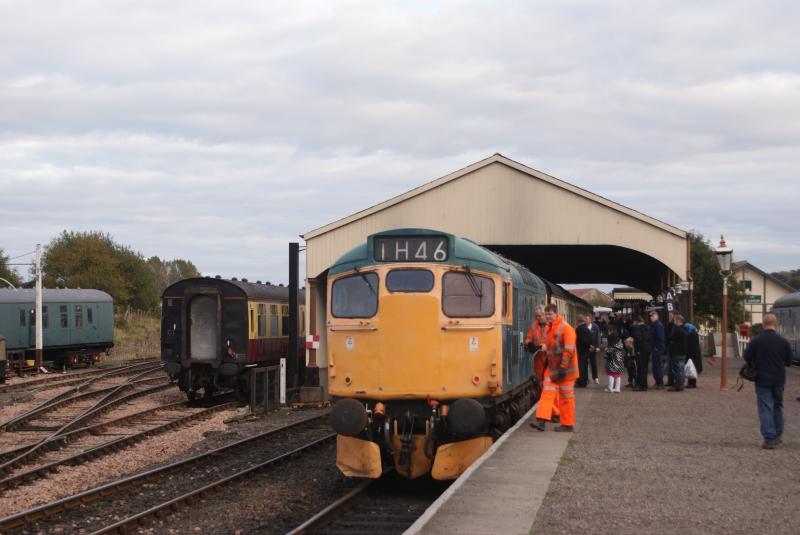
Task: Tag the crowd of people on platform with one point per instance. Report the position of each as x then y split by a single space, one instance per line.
633 347
565 358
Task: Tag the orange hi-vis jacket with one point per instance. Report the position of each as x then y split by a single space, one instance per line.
561 350
537 334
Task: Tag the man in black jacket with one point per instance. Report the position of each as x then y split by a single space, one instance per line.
769 353
677 340
643 346
588 338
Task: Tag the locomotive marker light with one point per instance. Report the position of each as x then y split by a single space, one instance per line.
724 256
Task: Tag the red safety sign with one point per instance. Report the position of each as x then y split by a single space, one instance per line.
312 341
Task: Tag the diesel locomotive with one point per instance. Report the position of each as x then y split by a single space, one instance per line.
426 363
214 329
77 326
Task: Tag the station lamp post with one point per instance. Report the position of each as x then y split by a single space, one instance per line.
724 256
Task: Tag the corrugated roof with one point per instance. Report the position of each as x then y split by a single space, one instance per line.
54 295
496 158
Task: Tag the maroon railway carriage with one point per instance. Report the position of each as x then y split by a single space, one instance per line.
213 329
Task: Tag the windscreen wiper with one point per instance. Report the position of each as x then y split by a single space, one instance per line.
476 288
366 280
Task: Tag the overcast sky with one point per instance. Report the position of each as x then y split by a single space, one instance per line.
219 131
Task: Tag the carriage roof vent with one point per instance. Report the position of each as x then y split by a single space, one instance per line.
234 279
217 276
269 283
258 282
244 280
280 284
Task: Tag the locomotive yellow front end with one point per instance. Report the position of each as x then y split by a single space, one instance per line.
415 356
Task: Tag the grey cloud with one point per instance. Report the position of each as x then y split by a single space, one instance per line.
218 132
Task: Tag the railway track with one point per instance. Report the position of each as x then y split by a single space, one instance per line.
83 385
387 506
58 380
90 443
60 414
160 490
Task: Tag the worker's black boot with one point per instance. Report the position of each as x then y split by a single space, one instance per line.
539 425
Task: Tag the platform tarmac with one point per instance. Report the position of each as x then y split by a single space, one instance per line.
638 462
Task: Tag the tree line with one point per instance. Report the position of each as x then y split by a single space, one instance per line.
94 260
790 277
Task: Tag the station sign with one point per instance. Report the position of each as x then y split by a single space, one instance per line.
405 249
753 299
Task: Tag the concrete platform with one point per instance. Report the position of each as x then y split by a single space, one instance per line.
503 490
681 461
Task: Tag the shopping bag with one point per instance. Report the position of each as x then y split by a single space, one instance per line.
689 370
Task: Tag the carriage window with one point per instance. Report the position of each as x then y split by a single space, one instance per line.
355 296
22 318
45 319
64 316
409 280
89 318
78 317
465 295
262 320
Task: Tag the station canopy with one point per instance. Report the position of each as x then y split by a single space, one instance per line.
559 231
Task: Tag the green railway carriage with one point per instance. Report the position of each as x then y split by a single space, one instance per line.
77 325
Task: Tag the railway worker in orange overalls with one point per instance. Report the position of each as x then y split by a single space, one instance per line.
561 372
536 343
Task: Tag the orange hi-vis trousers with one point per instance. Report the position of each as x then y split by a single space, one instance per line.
566 401
550 401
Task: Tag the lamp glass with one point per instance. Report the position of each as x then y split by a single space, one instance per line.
724 256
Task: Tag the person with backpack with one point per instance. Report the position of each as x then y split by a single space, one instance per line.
643 346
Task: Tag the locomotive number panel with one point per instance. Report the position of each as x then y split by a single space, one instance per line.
397 249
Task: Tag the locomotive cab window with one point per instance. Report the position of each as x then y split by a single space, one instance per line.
409 280
355 296
466 295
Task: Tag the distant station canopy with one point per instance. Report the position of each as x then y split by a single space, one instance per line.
559 231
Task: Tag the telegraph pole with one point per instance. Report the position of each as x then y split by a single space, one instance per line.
38 306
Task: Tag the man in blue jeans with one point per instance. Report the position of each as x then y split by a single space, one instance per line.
658 343
769 353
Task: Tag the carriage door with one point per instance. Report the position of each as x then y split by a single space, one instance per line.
203 328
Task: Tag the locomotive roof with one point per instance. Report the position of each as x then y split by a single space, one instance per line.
462 252
789 300
54 295
250 289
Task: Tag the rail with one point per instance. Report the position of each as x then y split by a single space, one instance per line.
58 507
